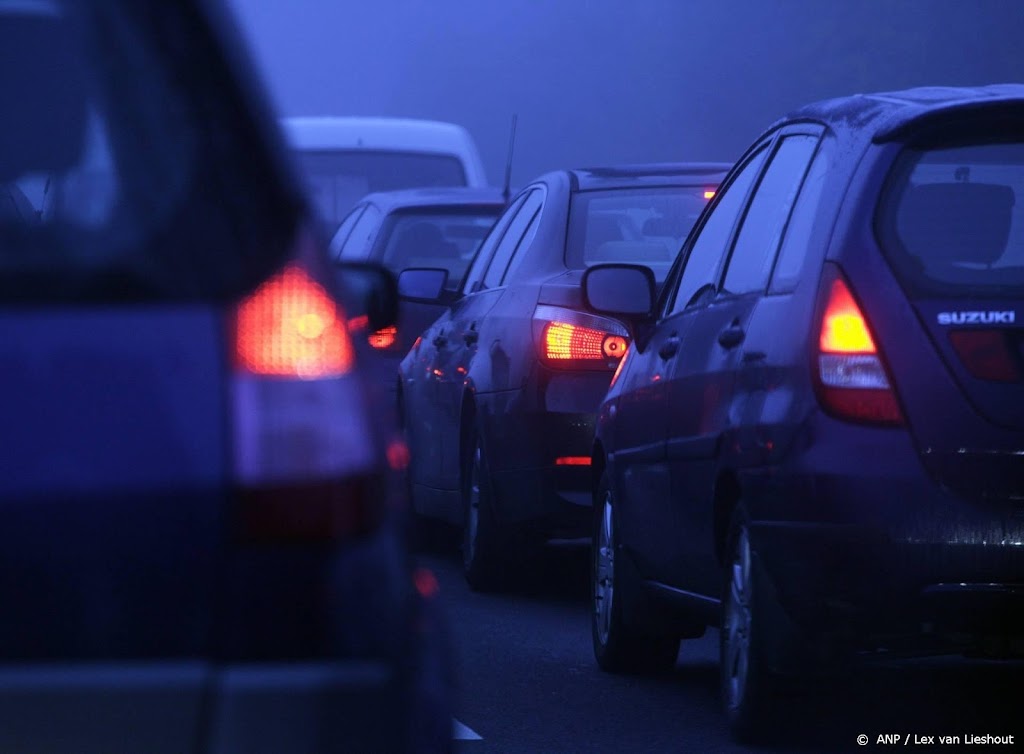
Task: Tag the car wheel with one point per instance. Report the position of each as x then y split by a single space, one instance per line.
483 544
747 685
618 647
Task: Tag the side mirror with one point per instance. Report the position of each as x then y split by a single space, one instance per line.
622 290
422 284
374 292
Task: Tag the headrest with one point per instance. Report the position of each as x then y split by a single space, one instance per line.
43 94
956 222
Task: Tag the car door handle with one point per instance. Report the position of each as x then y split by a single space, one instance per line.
669 348
440 341
471 337
731 336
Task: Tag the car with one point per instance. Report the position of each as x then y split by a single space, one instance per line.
498 396
201 536
344 158
815 439
439 229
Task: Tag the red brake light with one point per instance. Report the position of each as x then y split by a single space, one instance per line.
850 378
566 342
384 338
572 461
843 328
291 327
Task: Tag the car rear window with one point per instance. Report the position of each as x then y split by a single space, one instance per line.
337 179
644 226
439 238
952 218
118 160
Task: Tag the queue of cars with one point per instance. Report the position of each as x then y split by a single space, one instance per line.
784 398
808 420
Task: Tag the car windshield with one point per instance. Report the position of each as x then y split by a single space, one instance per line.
435 238
644 226
337 179
952 219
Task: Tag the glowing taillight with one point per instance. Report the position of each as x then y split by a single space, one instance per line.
843 328
571 339
564 341
291 327
384 338
709 194
850 376
572 461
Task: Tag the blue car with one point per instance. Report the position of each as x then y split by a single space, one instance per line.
201 540
816 439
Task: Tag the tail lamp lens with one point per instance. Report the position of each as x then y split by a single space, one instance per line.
291 327
851 378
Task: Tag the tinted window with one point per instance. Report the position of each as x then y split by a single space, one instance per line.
116 150
707 250
637 226
954 219
337 179
798 233
363 233
476 270
522 249
439 238
344 231
758 239
515 234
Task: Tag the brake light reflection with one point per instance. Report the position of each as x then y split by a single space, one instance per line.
572 461
384 338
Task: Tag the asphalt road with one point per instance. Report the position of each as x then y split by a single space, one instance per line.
528 683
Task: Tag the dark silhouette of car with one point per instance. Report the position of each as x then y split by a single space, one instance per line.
201 539
498 395
816 440
432 228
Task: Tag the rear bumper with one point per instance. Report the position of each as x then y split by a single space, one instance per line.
196 706
538 442
877 550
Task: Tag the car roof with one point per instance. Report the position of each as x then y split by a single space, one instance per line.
648 174
354 132
883 116
447 196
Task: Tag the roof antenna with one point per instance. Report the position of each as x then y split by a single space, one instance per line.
507 190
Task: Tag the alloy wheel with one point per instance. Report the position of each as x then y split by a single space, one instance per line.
737 623
604 571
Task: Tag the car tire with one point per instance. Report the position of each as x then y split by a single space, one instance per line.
747 684
484 545
618 647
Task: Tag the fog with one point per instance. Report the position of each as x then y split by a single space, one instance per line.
606 81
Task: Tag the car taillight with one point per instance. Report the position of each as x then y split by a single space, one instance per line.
303 451
850 377
291 327
384 338
575 340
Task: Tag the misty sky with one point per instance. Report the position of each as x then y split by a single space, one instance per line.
606 81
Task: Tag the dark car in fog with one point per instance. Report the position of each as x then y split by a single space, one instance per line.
200 535
498 396
439 229
816 440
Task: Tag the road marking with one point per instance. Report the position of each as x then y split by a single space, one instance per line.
461 732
